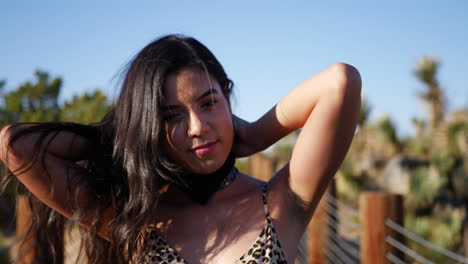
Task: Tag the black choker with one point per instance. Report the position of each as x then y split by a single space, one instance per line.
201 187
229 178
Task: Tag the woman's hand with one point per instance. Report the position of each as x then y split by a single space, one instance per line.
243 145
254 137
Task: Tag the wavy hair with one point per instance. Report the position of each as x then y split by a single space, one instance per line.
127 168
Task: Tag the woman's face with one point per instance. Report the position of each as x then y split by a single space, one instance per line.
198 122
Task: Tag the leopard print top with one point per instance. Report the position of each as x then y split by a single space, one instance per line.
265 249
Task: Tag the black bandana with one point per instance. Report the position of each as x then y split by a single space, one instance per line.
201 187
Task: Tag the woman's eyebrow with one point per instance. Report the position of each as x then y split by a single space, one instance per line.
210 91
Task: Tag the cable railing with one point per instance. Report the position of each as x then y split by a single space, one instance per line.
348 223
332 257
340 219
394 259
302 249
407 234
349 250
334 201
407 251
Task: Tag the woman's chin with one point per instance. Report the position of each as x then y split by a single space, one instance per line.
207 168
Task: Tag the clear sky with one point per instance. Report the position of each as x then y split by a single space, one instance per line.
266 47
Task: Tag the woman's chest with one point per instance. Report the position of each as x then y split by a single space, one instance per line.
215 237
257 246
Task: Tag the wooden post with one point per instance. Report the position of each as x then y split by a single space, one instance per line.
375 208
318 230
260 167
28 252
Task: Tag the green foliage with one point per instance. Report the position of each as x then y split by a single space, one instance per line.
426 72
444 162
387 130
418 146
423 189
85 109
364 112
420 125
282 150
348 185
241 165
453 131
433 95
37 101
444 231
33 101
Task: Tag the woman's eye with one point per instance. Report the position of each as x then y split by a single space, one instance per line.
209 103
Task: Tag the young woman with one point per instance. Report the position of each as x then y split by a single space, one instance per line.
155 180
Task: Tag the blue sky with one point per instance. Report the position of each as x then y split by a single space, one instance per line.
266 47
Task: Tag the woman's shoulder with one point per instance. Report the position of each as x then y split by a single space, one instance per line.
250 181
248 185
242 187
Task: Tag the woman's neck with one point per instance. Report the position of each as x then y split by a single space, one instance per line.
201 187
174 197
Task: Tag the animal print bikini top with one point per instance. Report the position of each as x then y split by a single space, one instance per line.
265 249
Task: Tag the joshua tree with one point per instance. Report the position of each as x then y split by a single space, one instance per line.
420 125
433 96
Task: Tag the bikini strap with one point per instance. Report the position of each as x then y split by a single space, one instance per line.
265 202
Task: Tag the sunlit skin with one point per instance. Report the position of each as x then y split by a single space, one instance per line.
198 121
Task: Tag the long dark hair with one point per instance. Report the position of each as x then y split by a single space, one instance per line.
128 169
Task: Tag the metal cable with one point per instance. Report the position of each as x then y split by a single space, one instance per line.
345 220
341 254
337 203
347 209
333 242
332 257
343 223
390 240
302 249
345 246
336 257
394 259
333 224
390 223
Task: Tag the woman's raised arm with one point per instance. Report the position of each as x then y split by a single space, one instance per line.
51 180
326 107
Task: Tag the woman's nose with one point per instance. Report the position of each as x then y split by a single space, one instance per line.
197 125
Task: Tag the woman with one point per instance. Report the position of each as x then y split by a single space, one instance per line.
154 180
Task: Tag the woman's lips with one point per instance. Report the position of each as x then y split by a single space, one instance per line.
205 149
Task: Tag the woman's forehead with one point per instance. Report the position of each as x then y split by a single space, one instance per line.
188 84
